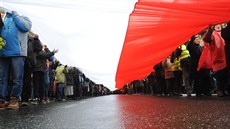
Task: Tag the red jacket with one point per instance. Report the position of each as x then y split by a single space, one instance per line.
217 51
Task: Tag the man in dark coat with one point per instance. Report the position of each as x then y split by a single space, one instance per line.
225 33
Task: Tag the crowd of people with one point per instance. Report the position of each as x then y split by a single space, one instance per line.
200 66
29 71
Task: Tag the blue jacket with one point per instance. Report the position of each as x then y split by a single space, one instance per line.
15 34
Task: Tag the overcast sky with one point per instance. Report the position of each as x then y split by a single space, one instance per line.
88 33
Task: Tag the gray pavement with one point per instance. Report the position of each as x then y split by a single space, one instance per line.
123 112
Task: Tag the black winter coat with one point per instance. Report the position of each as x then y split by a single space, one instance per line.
195 51
41 61
225 33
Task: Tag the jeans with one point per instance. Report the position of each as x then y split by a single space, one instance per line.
186 78
47 83
17 66
59 90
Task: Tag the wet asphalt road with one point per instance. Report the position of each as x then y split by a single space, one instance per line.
123 112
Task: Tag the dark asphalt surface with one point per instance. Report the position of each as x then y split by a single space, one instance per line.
123 112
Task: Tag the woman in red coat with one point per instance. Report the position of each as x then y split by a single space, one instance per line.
218 57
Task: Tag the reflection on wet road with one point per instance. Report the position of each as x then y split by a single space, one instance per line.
122 112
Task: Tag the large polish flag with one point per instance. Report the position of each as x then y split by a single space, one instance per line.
114 42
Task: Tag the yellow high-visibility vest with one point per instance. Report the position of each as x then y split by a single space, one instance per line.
176 65
184 53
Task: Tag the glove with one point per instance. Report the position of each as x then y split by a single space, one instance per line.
2 43
210 27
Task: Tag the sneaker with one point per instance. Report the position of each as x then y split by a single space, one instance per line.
189 95
179 94
43 102
35 102
220 94
2 105
47 101
170 94
24 104
13 104
208 94
199 95
6 103
226 93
